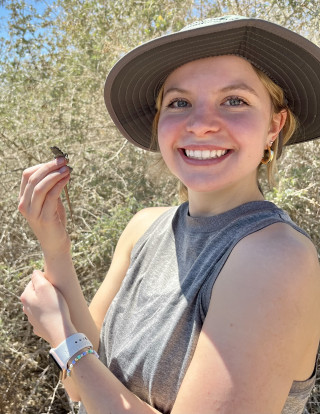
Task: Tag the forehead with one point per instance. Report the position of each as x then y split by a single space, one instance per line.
222 69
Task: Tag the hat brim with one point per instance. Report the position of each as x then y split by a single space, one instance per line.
289 59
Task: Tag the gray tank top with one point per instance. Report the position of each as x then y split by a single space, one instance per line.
152 326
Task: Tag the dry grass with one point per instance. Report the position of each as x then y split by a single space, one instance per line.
109 185
59 102
103 202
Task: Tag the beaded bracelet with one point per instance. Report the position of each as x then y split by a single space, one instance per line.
78 357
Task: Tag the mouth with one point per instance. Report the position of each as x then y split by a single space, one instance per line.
204 154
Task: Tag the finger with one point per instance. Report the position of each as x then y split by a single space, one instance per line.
36 191
36 173
25 177
52 203
61 212
26 294
30 178
37 273
48 192
38 279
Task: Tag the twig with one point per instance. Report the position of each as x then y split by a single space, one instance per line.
34 389
118 152
30 155
53 396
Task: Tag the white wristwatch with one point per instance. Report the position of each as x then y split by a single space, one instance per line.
68 348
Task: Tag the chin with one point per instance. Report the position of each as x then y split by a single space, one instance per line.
203 187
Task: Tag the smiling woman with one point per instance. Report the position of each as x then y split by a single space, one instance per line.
278 103
212 306
217 104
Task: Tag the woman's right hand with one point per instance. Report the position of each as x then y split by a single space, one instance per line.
40 204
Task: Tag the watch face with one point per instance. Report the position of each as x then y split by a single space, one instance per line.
52 357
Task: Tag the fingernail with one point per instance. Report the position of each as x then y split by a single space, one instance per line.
63 169
60 160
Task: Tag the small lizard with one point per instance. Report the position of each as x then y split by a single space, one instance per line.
58 153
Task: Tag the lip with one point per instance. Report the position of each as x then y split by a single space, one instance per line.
205 162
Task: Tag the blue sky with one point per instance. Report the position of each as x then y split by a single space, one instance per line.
3 17
40 6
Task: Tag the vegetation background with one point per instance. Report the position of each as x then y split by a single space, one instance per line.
52 72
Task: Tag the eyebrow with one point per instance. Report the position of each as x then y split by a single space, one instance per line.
176 90
239 86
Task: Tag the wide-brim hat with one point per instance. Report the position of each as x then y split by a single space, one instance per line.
290 60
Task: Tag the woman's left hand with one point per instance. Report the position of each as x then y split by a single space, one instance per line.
47 310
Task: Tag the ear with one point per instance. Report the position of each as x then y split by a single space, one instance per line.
276 124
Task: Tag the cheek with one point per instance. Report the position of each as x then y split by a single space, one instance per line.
250 129
164 124
161 133
166 131
166 141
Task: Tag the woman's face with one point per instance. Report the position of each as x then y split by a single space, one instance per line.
215 121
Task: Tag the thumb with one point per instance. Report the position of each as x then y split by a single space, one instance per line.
38 278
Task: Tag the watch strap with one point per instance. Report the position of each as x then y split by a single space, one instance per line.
68 348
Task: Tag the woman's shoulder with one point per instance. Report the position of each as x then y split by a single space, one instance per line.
142 221
261 331
150 214
281 266
282 241
281 250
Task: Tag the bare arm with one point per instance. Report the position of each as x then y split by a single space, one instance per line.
261 333
120 261
261 321
117 271
41 205
262 328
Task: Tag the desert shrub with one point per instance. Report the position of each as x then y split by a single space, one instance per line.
53 67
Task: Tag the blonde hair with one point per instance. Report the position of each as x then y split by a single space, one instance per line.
279 104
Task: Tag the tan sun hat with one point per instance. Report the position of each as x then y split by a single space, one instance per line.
289 59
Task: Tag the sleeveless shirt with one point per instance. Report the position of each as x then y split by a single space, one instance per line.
152 326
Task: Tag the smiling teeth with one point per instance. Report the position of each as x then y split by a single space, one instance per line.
204 155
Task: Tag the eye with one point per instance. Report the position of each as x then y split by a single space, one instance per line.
234 101
178 103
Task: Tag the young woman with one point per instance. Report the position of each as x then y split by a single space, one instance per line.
212 306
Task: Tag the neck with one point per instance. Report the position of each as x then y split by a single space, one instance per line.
217 202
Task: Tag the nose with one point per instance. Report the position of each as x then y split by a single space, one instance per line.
202 120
